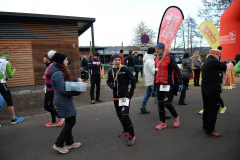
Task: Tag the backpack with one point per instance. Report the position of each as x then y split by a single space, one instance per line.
197 64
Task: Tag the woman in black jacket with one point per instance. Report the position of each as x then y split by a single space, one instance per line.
118 81
187 69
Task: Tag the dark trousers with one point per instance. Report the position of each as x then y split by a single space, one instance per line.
197 75
164 99
136 75
48 105
183 93
221 103
211 106
95 80
123 115
186 82
66 133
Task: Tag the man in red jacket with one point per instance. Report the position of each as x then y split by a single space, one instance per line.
121 56
164 81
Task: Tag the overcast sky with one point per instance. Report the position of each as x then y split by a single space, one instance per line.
115 19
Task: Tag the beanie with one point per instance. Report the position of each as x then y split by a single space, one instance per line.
50 54
151 50
121 51
215 51
115 56
161 46
97 54
219 48
59 57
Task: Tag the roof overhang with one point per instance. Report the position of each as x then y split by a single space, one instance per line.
83 23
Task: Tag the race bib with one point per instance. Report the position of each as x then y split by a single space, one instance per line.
164 88
123 102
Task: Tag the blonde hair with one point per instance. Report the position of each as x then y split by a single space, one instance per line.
196 54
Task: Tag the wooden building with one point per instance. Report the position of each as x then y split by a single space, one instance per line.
28 37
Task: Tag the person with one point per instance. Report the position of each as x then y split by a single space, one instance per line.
137 62
211 90
85 63
187 69
196 59
121 55
129 61
141 63
118 81
49 92
94 65
5 66
165 67
64 102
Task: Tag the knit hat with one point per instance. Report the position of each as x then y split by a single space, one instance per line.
151 50
115 56
215 51
219 48
121 51
50 54
97 54
161 46
59 57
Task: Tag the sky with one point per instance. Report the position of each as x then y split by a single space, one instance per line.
115 19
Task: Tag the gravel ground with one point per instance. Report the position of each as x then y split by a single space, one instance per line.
32 103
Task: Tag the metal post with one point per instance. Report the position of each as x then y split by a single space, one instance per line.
122 45
93 44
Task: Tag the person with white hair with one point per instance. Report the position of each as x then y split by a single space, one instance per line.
211 90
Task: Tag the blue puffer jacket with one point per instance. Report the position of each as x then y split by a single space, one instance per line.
63 99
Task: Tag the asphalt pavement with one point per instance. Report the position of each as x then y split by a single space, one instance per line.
97 128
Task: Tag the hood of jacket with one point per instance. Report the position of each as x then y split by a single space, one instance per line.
53 69
148 56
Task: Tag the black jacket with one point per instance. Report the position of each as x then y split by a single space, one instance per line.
122 82
85 64
137 62
210 75
131 60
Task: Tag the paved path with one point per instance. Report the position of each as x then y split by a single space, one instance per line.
97 128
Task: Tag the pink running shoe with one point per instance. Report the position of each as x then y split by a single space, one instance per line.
161 126
176 122
60 122
50 124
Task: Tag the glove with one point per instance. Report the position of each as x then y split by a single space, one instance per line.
180 88
49 85
112 85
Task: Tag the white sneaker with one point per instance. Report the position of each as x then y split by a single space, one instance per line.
223 110
60 149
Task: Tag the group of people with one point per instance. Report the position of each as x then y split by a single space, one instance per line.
163 79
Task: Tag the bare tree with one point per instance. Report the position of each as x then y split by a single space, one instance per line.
141 29
212 10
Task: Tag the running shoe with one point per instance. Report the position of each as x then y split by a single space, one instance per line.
74 145
99 100
123 134
223 110
60 149
214 134
50 124
92 101
161 126
201 112
60 122
131 140
17 120
143 111
176 122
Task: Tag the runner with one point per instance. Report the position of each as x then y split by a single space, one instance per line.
49 93
164 81
118 80
5 66
94 64
64 102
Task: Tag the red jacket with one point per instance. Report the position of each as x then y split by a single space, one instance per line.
166 69
122 60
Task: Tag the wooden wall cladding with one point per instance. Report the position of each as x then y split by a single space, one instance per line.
21 59
12 28
40 48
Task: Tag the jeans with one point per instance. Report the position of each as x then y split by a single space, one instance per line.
66 133
131 68
148 94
